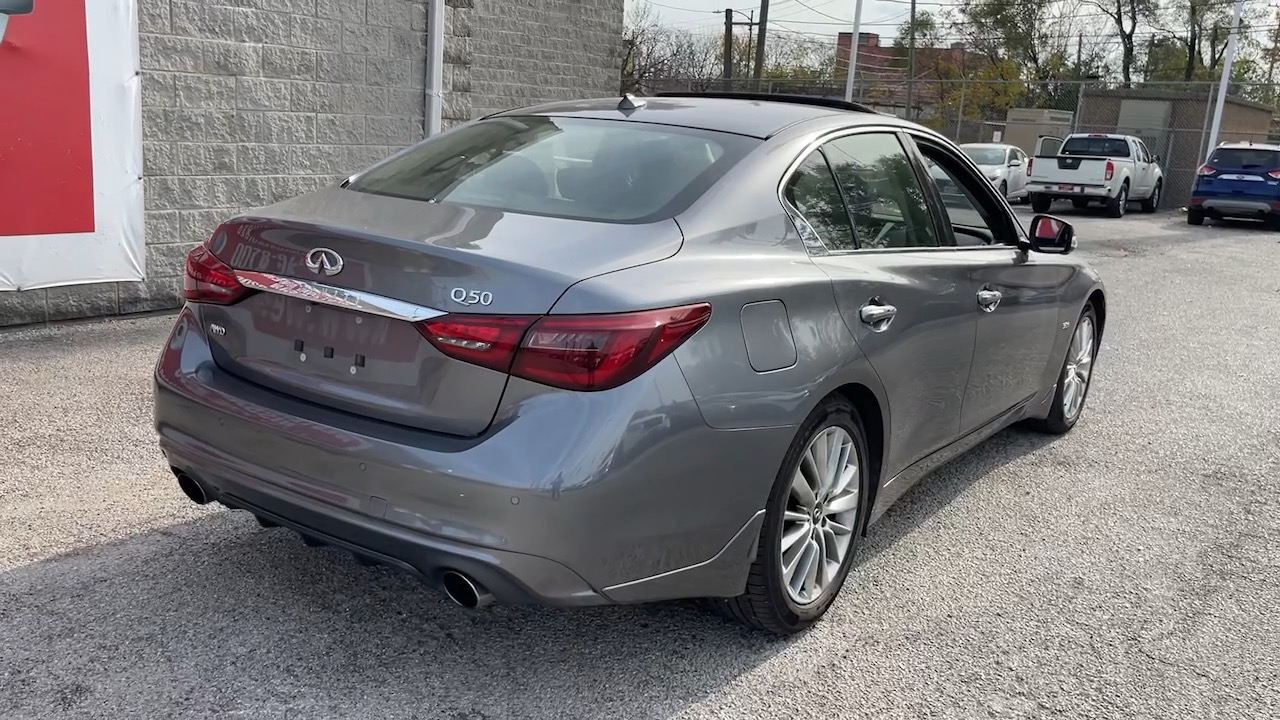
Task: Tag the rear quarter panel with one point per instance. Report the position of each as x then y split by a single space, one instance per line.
741 248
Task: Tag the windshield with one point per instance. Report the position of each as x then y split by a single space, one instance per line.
985 155
603 170
1097 146
1245 159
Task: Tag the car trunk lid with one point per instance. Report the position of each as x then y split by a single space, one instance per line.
347 339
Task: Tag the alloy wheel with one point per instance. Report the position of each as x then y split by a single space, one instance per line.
1075 379
820 515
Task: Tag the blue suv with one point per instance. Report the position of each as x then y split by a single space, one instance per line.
1240 180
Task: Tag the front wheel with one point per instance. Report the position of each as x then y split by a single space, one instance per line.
1040 203
1077 373
1152 203
1004 190
813 521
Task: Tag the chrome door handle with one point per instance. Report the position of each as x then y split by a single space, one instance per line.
877 316
988 300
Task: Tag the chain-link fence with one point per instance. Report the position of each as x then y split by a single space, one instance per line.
1173 119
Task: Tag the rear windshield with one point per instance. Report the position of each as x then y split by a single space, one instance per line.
603 170
1245 159
1101 147
985 156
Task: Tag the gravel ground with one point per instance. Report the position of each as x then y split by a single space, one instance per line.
1126 570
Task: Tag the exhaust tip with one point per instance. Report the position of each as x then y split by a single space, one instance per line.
192 489
464 591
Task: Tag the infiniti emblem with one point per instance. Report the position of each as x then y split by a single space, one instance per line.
324 261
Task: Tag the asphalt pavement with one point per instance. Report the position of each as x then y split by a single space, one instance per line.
1127 570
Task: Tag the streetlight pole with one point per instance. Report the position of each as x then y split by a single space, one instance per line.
1227 62
853 52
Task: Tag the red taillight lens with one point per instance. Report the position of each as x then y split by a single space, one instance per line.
1029 161
209 280
1274 174
486 340
1206 170
1111 169
573 352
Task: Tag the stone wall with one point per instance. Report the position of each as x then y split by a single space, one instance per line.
247 102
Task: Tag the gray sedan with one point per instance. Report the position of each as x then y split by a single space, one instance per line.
619 351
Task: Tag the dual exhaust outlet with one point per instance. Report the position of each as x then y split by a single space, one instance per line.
457 586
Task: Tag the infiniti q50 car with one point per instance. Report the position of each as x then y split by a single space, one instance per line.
608 351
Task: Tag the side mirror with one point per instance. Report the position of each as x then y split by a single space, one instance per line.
1052 235
13 7
1015 163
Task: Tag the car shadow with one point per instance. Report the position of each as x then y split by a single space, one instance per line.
218 616
940 488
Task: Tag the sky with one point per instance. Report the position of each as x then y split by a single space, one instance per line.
810 17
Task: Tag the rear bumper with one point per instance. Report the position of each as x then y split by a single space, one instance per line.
570 499
1054 190
1235 207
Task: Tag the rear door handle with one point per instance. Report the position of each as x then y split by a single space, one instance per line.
877 316
988 300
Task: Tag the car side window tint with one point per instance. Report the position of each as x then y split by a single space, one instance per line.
976 214
885 199
812 191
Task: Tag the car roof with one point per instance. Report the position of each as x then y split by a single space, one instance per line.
1247 146
760 116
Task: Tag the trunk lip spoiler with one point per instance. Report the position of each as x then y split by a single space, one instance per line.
322 294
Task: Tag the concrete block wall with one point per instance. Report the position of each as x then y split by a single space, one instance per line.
248 102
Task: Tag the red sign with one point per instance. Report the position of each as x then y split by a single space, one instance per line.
46 138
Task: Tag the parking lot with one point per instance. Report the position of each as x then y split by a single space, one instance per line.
1128 569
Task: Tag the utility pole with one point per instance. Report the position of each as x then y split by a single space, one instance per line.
853 51
1079 54
728 49
1227 62
911 60
764 23
964 84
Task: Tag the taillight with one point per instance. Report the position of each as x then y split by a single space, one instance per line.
1029 161
1111 169
209 280
1274 174
572 352
1206 170
486 340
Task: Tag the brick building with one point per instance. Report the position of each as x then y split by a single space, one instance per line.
880 75
247 102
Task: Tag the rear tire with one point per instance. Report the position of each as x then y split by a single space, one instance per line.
1004 190
1064 415
1040 203
769 603
1195 217
1118 204
1152 203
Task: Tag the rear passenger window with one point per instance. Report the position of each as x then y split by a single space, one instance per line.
883 195
813 193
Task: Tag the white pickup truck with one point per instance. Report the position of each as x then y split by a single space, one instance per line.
1114 170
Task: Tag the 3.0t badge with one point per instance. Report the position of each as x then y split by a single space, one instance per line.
323 261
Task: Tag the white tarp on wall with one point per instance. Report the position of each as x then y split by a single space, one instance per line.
71 208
